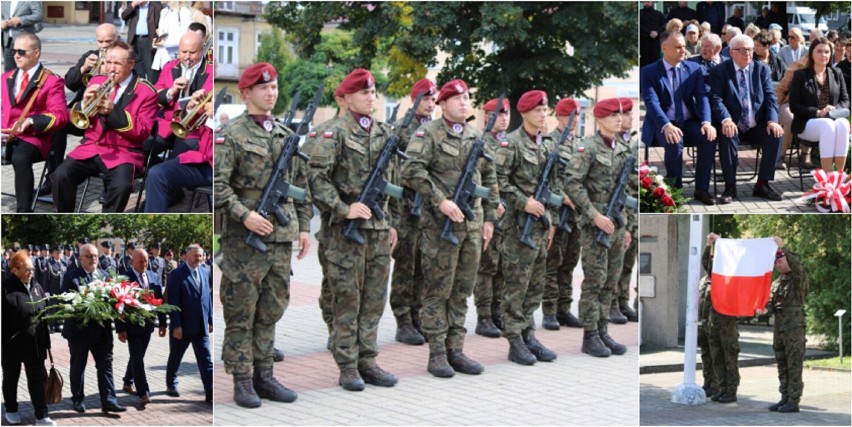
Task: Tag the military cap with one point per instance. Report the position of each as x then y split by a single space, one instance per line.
607 106
492 105
626 105
56 249
427 86
262 72
532 99
155 245
452 88
69 248
107 244
131 245
357 80
45 247
566 106
83 240
30 247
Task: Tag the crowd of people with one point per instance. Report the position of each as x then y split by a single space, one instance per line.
717 88
36 272
141 106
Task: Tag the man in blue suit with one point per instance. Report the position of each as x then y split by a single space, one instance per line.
745 105
678 113
189 289
138 336
93 337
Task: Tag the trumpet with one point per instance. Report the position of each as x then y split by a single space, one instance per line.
182 124
94 70
82 112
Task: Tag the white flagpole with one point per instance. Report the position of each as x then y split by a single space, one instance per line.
689 393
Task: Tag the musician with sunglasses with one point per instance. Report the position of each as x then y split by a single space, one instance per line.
33 108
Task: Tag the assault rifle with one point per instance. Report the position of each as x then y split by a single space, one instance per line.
376 186
466 189
617 201
277 189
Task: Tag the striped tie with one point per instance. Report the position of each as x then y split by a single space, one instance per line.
742 125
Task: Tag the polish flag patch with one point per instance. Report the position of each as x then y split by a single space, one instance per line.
504 143
312 134
419 134
328 134
220 140
580 149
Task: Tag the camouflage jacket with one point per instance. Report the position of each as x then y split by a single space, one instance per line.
341 162
403 207
315 137
492 143
437 156
520 162
633 184
789 291
594 172
705 303
566 151
245 155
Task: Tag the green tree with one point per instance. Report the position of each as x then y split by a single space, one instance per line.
824 8
273 49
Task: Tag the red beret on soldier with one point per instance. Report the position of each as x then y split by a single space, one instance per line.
452 88
262 72
626 105
358 79
426 85
608 106
532 99
492 105
566 106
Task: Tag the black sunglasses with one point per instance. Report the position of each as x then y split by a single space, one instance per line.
21 52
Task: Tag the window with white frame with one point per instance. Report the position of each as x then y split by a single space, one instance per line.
227 59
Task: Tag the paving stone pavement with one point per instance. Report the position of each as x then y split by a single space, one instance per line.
576 389
825 400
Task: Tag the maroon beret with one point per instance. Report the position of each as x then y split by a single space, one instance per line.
426 85
262 72
566 106
337 92
532 99
452 88
492 105
626 105
357 80
607 106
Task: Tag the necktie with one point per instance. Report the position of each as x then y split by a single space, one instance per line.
197 278
742 124
678 96
114 91
144 278
24 81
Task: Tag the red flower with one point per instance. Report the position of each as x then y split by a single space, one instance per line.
659 192
667 201
150 299
646 182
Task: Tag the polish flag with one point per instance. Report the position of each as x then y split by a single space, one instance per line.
742 275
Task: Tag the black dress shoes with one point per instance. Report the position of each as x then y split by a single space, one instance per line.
728 195
705 197
79 407
766 192
171 391
112 407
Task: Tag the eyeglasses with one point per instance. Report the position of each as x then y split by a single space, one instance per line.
743 50
20 52
27 270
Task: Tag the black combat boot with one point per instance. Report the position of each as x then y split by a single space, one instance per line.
782 402
541 353
719 393
407 334
244 394
461 363
616 348
439 366
268 387
519 353
350 380
628 312
730 396
593 346
550 323
569 320
486 328
277 355
378 376
788 407
498 323
709 390
615 315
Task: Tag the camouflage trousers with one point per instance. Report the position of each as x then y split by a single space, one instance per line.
407 278
706 355
788 342
488 292
358 277
254 291
451 271
623 293
601 269
325 298
523 276
725 351
562 258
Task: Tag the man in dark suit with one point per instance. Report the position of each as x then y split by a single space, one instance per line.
678 113
56 268
713 13
651 25
136 336
22 19
143 18
106 261
189 289
94 337
744 104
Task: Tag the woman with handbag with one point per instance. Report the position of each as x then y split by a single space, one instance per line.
28 338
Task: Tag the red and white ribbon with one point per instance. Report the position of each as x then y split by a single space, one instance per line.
831 191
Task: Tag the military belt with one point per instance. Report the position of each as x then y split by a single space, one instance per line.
249 194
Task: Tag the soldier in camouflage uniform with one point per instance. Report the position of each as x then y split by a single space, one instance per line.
488 292
724 345
594 170
520 160
437 155
357 274
789 293
705 306
564 253
255 287
407 280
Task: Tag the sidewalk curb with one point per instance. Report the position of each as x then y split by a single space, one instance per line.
758 361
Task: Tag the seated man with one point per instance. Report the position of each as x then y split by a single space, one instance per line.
190 169
744 103
112 144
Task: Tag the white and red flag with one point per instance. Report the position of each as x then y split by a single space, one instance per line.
742 275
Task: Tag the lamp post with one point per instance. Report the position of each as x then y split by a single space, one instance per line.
839 314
